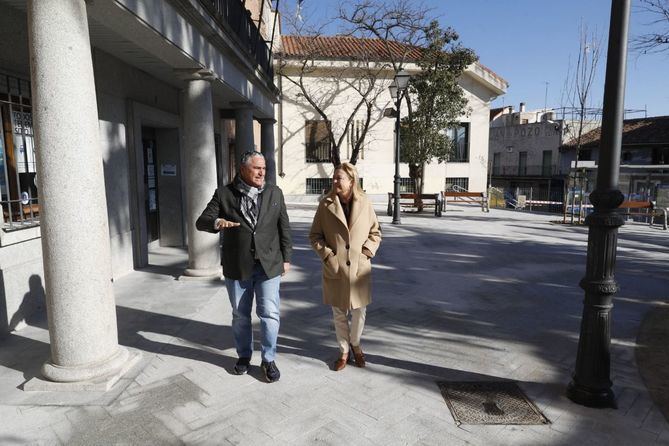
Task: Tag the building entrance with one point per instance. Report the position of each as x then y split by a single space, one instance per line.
151 186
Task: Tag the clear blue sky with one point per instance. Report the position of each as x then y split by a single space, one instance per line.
530 42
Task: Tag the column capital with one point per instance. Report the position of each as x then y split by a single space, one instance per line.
194 74
270 121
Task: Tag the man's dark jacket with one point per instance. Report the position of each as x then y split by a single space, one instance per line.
271 237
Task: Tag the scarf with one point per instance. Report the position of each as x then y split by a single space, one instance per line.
250 204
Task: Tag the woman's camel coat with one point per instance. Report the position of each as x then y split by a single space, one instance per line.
347 272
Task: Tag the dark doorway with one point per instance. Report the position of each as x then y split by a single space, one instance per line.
151 185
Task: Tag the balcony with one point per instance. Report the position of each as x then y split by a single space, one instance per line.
526 171
231 15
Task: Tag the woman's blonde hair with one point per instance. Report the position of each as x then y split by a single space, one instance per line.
350 170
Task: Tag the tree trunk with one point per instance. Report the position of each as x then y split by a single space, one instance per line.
416 173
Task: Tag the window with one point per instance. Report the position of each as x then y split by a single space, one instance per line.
407 186
317 141
547 163
661 155
460 138
496 163
316 186
522 163
457 184
18 170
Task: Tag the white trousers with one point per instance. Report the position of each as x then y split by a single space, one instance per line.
348 334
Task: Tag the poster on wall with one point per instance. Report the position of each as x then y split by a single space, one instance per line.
168 170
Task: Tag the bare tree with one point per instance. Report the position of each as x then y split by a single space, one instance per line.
578 94
387 34
657 40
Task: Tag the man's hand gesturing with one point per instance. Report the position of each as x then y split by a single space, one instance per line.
222 223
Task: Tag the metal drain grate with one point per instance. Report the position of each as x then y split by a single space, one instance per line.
496 402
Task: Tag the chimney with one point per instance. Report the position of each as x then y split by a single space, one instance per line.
522 107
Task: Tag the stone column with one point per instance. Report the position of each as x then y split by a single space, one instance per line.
267 148
198 143
243 129
73 217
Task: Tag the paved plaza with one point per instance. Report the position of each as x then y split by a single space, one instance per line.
469 296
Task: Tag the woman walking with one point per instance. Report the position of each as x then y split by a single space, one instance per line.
345 234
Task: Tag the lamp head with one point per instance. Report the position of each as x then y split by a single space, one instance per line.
402 79
393 90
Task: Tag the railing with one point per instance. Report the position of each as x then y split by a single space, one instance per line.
527 198
232 14
18 214
525 171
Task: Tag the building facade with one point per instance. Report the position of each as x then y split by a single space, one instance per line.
528 151
644 158
120 118
303 155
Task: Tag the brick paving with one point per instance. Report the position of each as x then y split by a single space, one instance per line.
469 296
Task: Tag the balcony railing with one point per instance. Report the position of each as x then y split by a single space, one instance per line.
525 171
231 14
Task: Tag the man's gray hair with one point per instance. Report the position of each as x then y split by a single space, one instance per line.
246 156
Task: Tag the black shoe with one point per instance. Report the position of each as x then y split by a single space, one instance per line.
270 370
242 366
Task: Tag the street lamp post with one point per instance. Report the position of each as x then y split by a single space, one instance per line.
591 383
397 91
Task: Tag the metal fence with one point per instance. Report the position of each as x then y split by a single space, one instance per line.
527 199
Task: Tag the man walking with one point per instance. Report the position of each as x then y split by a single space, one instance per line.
256 252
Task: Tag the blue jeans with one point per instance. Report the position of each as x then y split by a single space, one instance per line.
241 294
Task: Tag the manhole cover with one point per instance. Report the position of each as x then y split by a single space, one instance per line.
489 403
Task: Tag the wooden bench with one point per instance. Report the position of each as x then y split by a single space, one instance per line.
409 201
645 208
477 198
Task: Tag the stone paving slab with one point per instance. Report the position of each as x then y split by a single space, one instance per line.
469 296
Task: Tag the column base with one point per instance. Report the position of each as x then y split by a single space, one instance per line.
600 399
201 274
100 377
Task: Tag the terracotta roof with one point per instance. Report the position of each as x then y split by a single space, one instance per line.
346 47
354 48
651 130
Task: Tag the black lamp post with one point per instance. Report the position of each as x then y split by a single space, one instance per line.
397 91
591 383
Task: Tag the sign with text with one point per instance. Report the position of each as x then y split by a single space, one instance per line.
168 170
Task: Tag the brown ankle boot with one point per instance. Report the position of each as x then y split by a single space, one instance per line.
340 363
359 357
